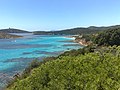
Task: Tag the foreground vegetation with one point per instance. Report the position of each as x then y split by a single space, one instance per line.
93 67
98 70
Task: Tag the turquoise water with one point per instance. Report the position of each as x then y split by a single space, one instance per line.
16 54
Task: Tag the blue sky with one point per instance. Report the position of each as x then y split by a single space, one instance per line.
58 14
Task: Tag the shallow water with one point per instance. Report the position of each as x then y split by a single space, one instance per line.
16 54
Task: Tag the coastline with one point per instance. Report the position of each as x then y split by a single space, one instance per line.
8 36
80 41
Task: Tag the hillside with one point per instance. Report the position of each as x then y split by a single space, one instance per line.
93 71
89 68
108 37
8 36
11 30
73 31
76 31
104 27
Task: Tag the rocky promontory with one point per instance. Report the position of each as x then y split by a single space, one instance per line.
8 36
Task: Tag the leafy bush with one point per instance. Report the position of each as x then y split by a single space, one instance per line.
82 51
93 71
108 37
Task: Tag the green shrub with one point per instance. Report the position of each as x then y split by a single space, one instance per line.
92 71
109 37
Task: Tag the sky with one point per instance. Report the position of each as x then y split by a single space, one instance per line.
47 15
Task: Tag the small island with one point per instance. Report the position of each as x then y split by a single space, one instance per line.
8 33
13 30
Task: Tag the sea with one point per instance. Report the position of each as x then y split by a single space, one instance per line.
16 54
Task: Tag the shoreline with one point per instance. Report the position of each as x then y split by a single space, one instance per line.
82 42
8 36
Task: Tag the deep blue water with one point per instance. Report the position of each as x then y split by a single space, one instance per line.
16 54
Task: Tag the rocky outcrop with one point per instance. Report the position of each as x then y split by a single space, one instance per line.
83 42
8 36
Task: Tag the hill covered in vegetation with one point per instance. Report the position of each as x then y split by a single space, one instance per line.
90 68
103 38
11 30
73 31
108 37
76 31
